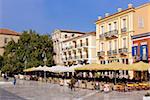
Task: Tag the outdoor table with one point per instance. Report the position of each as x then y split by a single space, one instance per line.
106 88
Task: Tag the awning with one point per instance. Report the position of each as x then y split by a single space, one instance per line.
91 67
140 66
29 69
117 66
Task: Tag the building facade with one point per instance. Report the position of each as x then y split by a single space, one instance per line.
141 36
7 35
113 37
141 47
118 35
80 50
58 36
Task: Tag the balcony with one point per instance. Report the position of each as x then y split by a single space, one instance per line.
78 57
114 52
124 30
101 36
101 54
109 53
123 51
111 34
84 56
85 45
74 57
69 57
64 59
79 46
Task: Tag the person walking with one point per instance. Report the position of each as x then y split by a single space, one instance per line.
14 80
72 83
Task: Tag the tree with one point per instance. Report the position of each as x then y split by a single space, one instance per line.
30 48
1 61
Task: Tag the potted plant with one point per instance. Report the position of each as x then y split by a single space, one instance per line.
146 96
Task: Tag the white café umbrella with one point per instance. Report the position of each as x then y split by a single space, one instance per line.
44 68
58 68
40 68
71 69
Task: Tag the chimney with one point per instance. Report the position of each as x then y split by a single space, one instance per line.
130 5
119 9
99 17
106 14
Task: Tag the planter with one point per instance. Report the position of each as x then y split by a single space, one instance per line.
146 97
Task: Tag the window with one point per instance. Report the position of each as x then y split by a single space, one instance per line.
72 35
134 50
5 40
124 23
87 55
143 52
102 45
65 35
115 43
110 45
140 22
127 61
115 25
80 42
109 26
102 29
81 54
124 42
87 42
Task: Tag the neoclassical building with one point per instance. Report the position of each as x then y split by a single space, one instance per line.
116 33
80 50
7 35
58 36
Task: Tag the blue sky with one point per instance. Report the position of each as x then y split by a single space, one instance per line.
46 15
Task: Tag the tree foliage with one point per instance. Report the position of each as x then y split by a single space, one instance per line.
30 48
1 61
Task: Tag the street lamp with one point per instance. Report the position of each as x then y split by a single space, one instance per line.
44 60
25 63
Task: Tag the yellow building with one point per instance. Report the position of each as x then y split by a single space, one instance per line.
113 36
58 36
114 32
7 35
80 50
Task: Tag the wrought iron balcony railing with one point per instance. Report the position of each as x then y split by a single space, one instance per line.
123 30
101 53
111 34
123 50
110 53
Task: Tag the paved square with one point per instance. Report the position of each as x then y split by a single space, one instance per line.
32 90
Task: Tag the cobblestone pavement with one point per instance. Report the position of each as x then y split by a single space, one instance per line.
32 90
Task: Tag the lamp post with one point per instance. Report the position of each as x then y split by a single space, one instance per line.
25 63
44 60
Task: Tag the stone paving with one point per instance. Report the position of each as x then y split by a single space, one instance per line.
32 90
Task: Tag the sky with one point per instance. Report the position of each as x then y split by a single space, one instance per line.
44 16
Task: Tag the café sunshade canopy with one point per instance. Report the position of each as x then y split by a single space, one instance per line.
140 66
